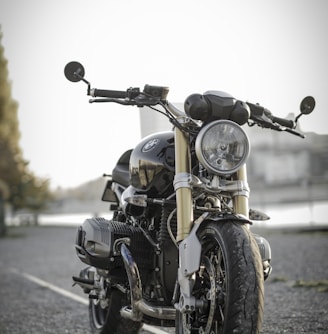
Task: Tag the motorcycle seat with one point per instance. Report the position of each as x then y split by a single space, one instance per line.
120 173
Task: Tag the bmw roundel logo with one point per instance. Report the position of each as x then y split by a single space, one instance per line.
150 145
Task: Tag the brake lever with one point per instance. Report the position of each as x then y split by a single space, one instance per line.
277 127
119 101
294 132
260 121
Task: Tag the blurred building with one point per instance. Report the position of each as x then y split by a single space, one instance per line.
285 168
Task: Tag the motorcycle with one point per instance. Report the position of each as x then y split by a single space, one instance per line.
178 251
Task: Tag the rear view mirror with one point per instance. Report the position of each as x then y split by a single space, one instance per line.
74 71
307 105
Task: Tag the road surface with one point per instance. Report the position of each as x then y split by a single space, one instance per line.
37 297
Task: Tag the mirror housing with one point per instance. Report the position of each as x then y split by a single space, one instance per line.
74 71
306 107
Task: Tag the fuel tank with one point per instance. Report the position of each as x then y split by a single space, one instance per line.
152 165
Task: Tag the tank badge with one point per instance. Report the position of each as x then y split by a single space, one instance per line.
150 145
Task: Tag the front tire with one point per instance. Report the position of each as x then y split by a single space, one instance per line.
108 320
230 283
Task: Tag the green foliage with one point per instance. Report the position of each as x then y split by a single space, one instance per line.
321 285
19 186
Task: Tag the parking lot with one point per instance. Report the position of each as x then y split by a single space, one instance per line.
36 265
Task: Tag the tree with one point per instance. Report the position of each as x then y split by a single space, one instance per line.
23 188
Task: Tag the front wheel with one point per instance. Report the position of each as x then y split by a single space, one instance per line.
229 283
107 320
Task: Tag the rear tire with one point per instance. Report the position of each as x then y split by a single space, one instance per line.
230 282
108 320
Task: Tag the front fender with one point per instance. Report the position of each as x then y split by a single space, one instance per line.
190 247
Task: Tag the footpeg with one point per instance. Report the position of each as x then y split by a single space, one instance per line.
86 284
85 280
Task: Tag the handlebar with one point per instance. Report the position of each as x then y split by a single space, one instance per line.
116 94
130 93
264 118
150 96
261 114
154 95
283 122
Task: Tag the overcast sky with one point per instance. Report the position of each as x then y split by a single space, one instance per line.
273 52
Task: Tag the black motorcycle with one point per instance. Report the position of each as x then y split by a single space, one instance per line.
178 251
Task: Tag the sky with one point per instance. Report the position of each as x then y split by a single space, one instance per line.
273 52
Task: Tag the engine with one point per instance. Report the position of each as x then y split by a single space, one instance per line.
98 240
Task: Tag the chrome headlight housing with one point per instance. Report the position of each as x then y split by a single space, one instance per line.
222 147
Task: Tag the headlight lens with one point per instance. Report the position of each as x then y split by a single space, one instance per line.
222 147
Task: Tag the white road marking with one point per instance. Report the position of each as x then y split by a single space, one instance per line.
71 295
55 288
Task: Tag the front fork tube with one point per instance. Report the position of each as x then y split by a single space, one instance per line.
240 198
182 183
189 245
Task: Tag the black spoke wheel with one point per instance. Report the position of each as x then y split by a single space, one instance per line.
229 283
98 314
106 319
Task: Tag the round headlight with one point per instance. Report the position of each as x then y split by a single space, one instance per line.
222 147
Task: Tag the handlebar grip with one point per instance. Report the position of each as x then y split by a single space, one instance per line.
116 94
283 122
256 109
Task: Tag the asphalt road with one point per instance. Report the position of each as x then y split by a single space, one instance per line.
36 293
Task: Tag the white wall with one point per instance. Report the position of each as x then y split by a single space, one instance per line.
152 121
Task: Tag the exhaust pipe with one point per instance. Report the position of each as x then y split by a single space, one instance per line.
138 305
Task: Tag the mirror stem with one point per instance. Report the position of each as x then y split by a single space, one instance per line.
297 118
77 74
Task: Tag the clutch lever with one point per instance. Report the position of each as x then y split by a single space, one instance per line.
139 101
119 101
